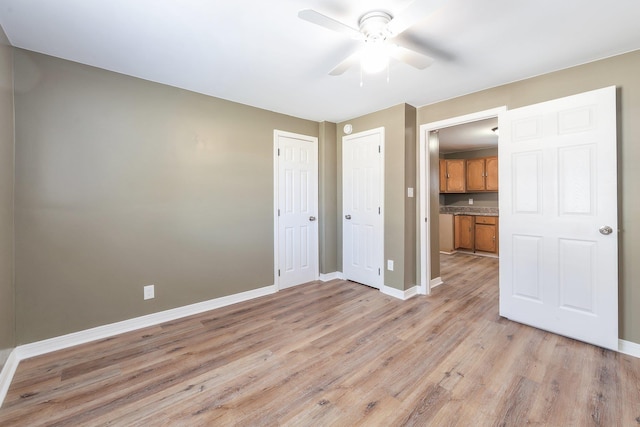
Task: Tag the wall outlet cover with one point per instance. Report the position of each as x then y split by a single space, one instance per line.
149 292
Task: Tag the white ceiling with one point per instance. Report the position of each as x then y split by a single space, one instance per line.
260 53
469 136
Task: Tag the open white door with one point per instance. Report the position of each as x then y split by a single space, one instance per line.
296 209
362 223
558 217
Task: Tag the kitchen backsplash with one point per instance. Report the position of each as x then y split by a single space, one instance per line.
469 209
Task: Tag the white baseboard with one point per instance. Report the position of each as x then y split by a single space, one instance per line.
435 282
397 293
6 375
38 348
628 347
58 343
331 276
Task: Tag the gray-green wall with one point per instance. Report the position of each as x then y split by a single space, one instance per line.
7 309
122 183
622 71
328 198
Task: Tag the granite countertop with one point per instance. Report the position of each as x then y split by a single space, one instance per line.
468 210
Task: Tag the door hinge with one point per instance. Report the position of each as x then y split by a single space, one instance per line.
379 149
278 151
378 272
378 210
425 219
278 272
278 212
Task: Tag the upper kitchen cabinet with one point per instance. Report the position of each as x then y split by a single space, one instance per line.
443 176
491 177
482 174
452 176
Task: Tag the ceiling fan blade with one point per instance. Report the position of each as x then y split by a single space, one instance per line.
410 57
349 62
317 18
414 13
403 40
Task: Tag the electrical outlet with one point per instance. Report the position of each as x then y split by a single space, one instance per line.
149 292
390 264
470 201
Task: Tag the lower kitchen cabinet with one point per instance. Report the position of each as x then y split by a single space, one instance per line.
463 232
476 233
486 234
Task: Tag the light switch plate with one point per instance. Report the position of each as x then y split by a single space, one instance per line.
410 192
390 264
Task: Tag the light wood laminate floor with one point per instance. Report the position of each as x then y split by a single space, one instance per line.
338 354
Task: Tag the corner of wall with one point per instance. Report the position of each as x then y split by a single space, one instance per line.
410 212
7 179
328 197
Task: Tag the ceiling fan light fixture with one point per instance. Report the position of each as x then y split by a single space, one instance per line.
374 57
375 30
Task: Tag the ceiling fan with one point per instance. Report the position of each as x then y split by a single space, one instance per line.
380 34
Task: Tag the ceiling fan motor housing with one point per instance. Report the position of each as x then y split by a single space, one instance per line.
374 26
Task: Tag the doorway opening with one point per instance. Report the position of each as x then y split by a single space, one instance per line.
455 136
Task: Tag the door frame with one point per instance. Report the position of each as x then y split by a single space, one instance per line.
382 132
425 188
276 198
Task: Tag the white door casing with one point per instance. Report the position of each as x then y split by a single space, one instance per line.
362 207
558 187
426 184
296 209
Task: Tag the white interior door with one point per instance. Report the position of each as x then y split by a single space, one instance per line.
297 209
558 217
362 200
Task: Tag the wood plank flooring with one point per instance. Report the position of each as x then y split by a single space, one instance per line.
335 354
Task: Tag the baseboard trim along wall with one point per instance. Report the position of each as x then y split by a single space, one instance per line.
58 343
331 276
6 375
400 294
38 348
435 282
628 347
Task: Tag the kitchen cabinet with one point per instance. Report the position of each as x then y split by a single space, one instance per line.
486 234
452 172
491 170
476 233
482 174
443 176
463 232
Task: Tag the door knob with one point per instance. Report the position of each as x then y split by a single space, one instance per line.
312 218
347 216
605 229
